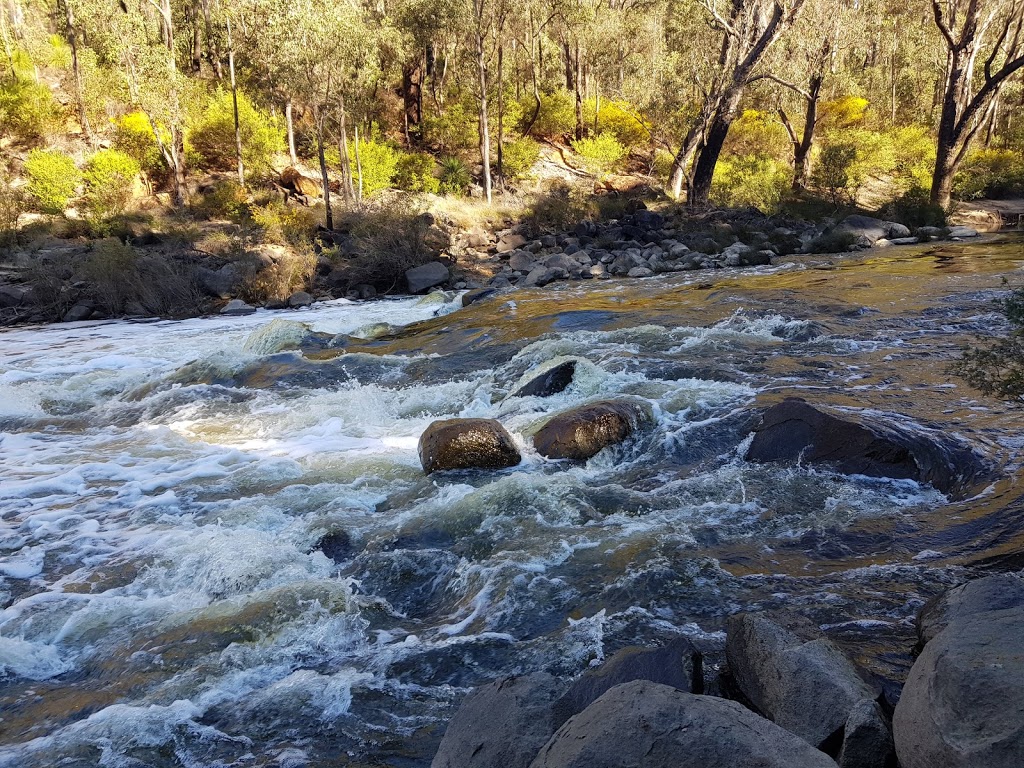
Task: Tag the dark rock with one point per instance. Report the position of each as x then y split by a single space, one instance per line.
963 702
78 313
648 219
237 307
467 444
756 258
521 261
958 605
300 299
364 291
220 284
426 276
583 432
477 294
647 725
676 665
501 725
867 738
551 382
276 304
337 546
872 229
13 296
794 431
510 242
794 676
640 272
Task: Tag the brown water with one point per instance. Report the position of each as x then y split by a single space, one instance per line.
162 491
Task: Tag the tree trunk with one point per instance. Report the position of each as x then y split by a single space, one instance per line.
578 80
945 170
501 115
704 169
485 137
211 42
411 100
359 169
234 105
569 68
197 40
346 167
291 132
72 35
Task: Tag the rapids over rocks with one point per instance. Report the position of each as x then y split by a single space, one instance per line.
218 552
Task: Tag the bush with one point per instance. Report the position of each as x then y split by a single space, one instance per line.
618 118
915 155
52 179
112 269
378 162
109 177
832 170
561 207
850 157
750 181
213 137
133 135
224 200
292 271
844 112
518 157
453 131
415 173
12 204
915 209
601 154
455 176
759 133
557 115
990 173
28 111
283 223
389 240
998 369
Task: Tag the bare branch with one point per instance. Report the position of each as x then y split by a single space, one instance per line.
946 33
792 86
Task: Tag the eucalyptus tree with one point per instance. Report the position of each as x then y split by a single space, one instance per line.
984 44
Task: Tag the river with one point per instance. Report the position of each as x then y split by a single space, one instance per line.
164 486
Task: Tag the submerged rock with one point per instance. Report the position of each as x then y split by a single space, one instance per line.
550 382
656 726
797 678
794 430
963 703
583 432
467 444
501 725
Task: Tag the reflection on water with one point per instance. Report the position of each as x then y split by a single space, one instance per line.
165 598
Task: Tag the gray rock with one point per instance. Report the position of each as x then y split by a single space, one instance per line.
220 284
466 444
237 307
795 677
426 276
521 261
931 233
541 276
583 432
962 232
13 296
640 272
300 299
867 738
872 229
647 725
904 241
674 665
477 294
963 702
960 604
562 261
510 242
78 313
754 258
501 725
364 291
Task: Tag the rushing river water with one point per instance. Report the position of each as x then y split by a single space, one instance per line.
163 488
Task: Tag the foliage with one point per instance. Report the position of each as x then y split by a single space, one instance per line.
133 135
414 172
759 133
601 154
378 161
750 181
453 130
225 199
28 111
998 368
844 112
832 170
12 205
112 268
557 115
455 176
915 209
109 178
562 206
283 223
53 179
389 239
619 118
914 150
213 136
518 157
996 173
292 271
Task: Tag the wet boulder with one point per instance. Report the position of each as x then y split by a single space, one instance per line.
794 676
794 430
963 702
336 546
467 444
426 276
583 432
477 294
656 726
552 381
501 725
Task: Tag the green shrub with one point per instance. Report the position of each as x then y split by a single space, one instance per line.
618 118
12 205
453 131
224 200
990 173
832 169
759 133
562 206
518 157
133 135
601 154
52 179
750 181
415 173
283 223
455 176
378 163
112 268
850 157
109 177
915 155
213 137
915 209
28 111
557 115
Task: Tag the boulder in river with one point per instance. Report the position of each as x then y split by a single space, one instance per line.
963 703
794 430
794 676
421 278
656 726
550 382
872 229
501 725
583 432
467 444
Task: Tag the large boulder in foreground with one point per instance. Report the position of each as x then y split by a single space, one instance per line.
467 444
501 725
794 676
794 430
872 229
426 276
583 432
963 703
656 726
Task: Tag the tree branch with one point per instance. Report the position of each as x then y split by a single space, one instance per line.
946 33
792 86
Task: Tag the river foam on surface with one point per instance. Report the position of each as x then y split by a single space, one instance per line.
166 489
